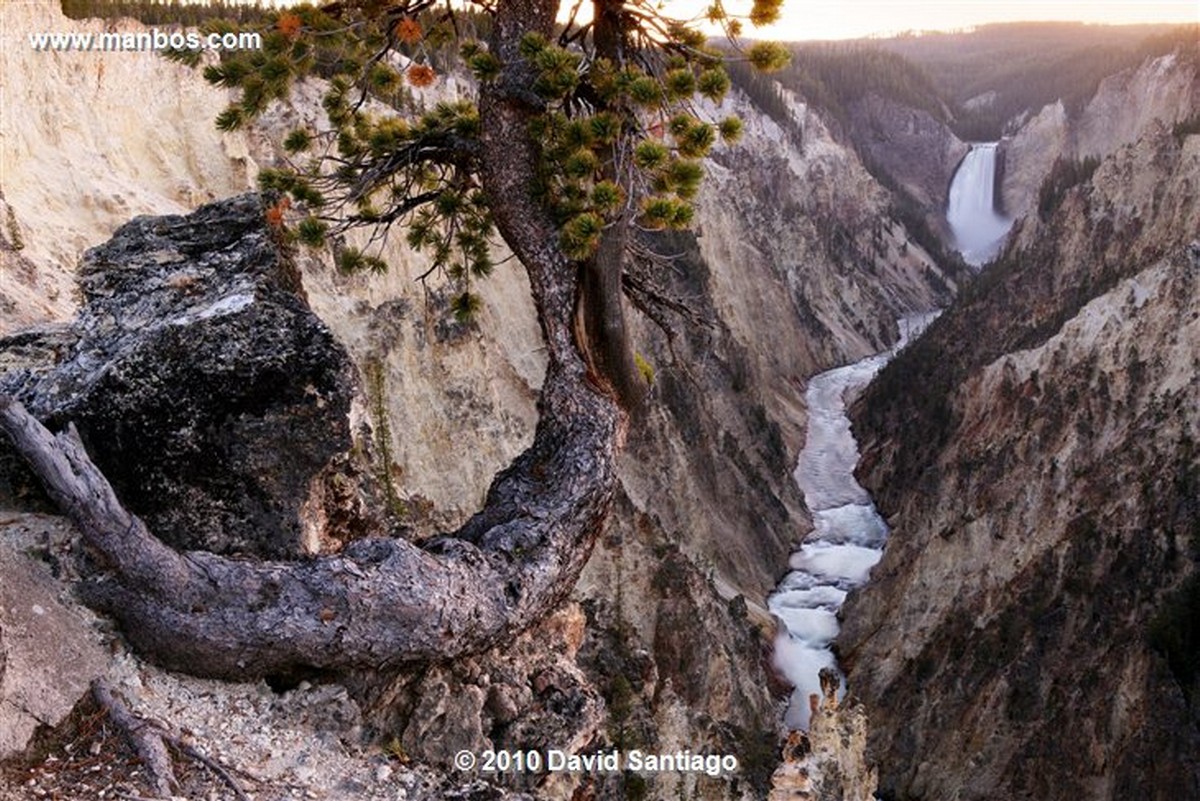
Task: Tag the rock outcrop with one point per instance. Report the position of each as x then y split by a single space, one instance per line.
25 294
208 392
529 695
1026 633
49 649
1028 156
919 152
829 761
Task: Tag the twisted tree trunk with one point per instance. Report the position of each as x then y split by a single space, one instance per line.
601 310
381 602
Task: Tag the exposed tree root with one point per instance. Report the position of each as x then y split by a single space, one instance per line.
381 603
150 740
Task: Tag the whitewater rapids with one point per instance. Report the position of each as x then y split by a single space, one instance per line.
848 534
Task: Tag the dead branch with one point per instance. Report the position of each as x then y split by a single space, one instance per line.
649 295
150 740
661 306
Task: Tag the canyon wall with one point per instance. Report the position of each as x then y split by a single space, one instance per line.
1126 105
915 149
1030 630
90 140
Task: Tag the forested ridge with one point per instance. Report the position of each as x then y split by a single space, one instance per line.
951 75
977 82
1028 65
166 12
833 76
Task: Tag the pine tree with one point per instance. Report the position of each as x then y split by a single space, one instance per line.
580 133
599 134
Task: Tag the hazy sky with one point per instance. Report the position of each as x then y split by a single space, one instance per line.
843 19
847 19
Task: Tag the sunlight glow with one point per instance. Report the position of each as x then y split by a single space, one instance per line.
849 19
846 19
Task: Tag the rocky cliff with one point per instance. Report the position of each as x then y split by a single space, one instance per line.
211 396
1126 105
919 152
1030 632
81 154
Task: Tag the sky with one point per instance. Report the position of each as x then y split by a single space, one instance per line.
845 19
849 19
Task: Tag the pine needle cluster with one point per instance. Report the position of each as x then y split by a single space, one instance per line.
619 140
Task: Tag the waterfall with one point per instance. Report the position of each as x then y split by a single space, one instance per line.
978 229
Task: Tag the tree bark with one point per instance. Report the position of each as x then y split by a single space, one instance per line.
600 346
604 332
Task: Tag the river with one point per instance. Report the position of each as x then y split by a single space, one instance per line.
848 534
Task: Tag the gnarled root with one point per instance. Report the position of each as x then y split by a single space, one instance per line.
150 740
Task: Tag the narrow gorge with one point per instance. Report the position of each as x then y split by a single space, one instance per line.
1025 633
909 511
848 534
961 662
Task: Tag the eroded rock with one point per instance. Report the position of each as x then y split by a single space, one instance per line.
202 384
529 695
919 151
1126 106
828 762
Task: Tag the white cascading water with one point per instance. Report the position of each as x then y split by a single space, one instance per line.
848 534
978 229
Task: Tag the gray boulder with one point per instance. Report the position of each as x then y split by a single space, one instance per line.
49 650
201 382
